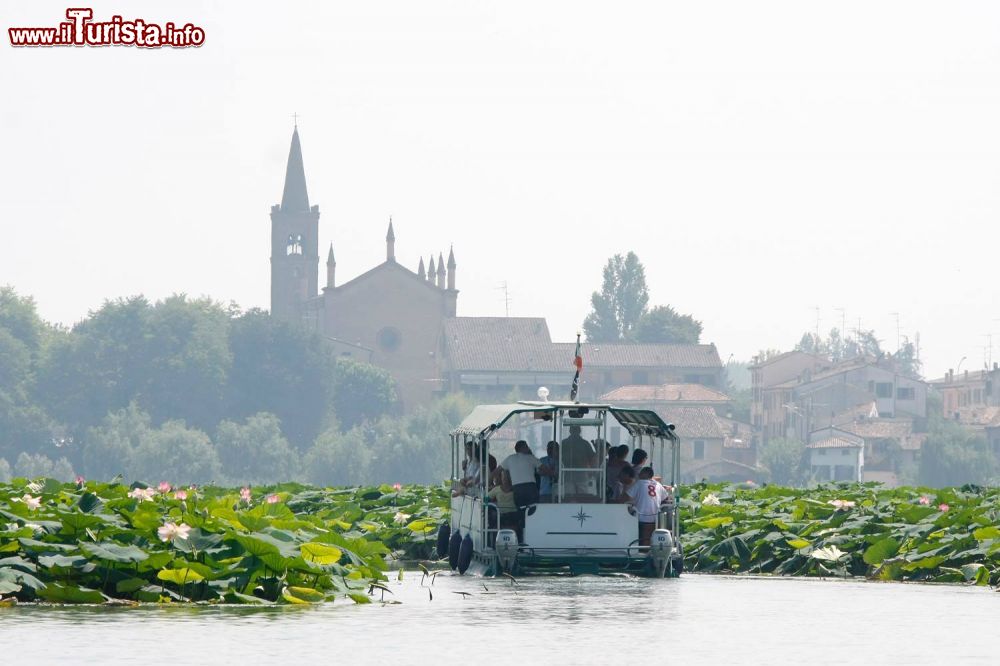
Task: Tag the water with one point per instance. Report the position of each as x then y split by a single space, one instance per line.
692 620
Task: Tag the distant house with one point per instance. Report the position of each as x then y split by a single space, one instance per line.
891 445
492 357
980 388
676 395
836 455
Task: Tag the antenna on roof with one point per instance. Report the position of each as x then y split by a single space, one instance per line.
506 297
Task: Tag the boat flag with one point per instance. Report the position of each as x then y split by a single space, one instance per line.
578 362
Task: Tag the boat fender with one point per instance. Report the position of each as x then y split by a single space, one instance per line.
453 547
465 554
444 532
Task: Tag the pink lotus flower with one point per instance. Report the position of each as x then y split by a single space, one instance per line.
397 486
245 494
181 495
924 499
273 499
164 487
943 507
31 502
142 494
170 531
80 480
841 505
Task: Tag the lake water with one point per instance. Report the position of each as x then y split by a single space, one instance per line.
697 619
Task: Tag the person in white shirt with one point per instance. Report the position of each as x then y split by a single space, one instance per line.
646 495
522 465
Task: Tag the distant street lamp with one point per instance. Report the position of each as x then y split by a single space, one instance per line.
958 368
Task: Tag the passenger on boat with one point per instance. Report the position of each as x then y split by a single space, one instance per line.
522 466
646 495
618 460
502 495
579 453
619 488
547 484
639 458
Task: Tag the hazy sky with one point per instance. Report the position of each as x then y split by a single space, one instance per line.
762 158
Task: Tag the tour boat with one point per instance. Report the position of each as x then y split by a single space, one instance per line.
579 529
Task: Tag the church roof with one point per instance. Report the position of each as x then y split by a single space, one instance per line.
295 198
501 344
629 355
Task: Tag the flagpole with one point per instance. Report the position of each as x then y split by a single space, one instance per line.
578 362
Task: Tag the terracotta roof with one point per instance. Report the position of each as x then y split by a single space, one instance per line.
512 344
879 428
834 443
979 415
783 356
626 355
502 344
838 369
664 393
693 422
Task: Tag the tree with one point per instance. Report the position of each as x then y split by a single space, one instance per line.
5 473
664 324
362 392
108 448
783 458
32 466
622 301
255 451
281 369
952 457
175 453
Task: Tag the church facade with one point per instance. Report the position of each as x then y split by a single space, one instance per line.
407 322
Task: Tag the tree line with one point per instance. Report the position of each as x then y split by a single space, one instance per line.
193 390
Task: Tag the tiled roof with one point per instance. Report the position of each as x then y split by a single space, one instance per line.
834 443
502 344
979 415
693 422
664 393
513 344
626 355
879 428
838 369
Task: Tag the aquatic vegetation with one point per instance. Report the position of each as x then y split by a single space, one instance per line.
915 534
88 542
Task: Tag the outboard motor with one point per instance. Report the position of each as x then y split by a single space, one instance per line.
661 548
465 554
506 548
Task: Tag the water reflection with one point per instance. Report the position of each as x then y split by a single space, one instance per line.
701 619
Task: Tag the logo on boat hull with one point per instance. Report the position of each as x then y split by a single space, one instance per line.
581 516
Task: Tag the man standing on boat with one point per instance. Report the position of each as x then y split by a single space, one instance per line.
578 454
522 465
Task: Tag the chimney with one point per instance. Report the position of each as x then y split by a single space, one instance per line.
966 375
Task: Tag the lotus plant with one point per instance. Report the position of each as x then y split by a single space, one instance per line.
273 499
711 500
841 505
31 502
245 494
170 531
142 494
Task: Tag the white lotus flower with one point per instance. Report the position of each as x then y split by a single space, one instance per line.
31 502
711 500
401 518
142 494
841 505
828 554
170 531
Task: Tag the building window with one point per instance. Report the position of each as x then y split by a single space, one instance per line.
294 245
883 389
388 338
699 449
905 393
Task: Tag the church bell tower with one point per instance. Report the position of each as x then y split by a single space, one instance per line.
294 242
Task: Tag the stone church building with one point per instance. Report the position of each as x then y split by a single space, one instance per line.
406 321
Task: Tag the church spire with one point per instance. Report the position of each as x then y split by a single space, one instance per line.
451 268
430 270
440 272
331 269
421 273
295 198
390 243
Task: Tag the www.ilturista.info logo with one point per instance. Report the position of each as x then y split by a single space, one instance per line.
80 30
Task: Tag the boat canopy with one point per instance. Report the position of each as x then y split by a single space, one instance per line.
487 418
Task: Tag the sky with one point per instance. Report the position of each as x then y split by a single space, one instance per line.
774 164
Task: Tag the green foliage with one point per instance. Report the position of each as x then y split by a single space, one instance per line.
783 458
363 392
286 544
844 530
175 451
280 369
255 451
664 324
5 473
950 456
622 301
29 465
